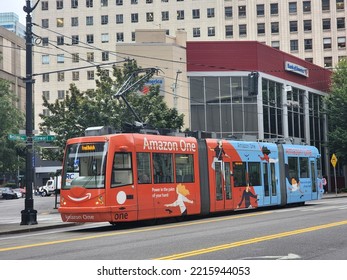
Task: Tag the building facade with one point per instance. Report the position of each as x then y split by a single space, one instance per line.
10 21
12 64
75 34
283 102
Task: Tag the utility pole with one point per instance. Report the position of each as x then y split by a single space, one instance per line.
174 88
29 215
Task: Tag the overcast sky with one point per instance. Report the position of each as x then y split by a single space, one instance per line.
15 6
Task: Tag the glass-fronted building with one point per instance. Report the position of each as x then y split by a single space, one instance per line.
283 100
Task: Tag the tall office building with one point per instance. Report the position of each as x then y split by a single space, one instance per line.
75 34
10 21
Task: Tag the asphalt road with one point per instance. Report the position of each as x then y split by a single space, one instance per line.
315 231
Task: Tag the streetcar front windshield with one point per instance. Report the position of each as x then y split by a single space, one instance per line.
85 166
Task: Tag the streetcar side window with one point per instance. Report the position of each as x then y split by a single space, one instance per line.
304 168
144 168
254 173
293 167
239 173
162 168
122 173
184 165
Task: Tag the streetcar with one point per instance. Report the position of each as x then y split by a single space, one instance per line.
128 177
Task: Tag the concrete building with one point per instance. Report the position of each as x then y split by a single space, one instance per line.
12 64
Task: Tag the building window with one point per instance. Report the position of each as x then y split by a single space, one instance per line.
45 23
75 75
149 1
134 17
89 3
60 76
105 56
306 6
309 59
45 59
275 44
341 42
210 12
196 13
134 2
119 2
120 37
90 75
90 56
293 8
242 11
60 58
229 33
242 29
44 5
119 18
340 23
150 17
260 10
180 14
165 16
75 57
196 32
89 20
294 45
75 39
45 78
45 112
308 44
274 9
104 19
326 24
60 40
211 31
60 4
275 28
61 94
293 26
104 3
228 12
327 43
307 25
325 5
340 5
74 4
74 21
45 41
261 28
90 38
60 22
328 62
104 38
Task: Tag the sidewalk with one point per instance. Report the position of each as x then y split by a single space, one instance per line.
51 219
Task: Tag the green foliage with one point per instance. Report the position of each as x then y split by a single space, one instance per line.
337 112
12 119
69 118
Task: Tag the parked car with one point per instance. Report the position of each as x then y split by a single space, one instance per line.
9 193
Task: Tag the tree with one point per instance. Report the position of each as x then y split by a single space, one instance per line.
337 112
12 153
69 118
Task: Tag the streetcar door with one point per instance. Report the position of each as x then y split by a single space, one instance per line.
269 184
313 180
223 186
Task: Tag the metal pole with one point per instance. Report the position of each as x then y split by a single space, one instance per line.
175 89
29 215
335 181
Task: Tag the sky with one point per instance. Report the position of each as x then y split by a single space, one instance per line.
15 6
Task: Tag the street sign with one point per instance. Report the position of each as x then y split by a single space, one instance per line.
16 137
36 138
44 138
333 160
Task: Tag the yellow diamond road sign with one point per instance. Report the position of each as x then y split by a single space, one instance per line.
333 160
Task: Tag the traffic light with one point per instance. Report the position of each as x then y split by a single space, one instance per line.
253 83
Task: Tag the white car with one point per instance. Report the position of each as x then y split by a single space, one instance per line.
9 193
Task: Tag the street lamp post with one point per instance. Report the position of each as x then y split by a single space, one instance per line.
29 215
